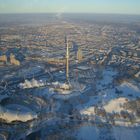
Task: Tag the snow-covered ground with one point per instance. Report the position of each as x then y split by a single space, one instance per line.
115 105
16 113
130 89
32 84
106 78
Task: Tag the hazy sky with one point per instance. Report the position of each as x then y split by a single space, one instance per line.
94 6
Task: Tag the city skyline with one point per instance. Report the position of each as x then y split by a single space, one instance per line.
64 6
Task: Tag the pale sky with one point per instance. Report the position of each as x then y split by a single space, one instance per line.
70 6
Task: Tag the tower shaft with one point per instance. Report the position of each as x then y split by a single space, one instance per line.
67 60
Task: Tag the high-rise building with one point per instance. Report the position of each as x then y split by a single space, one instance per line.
79 55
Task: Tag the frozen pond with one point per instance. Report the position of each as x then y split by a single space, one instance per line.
88 131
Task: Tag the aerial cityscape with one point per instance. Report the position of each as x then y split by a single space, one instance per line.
69 76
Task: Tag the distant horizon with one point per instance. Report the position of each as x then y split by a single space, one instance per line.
130 14
43 18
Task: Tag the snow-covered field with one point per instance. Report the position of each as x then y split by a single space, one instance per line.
115 105
17 113
110 98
